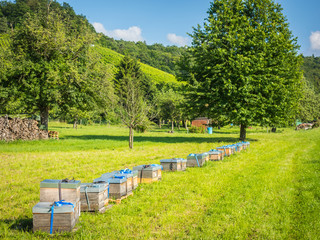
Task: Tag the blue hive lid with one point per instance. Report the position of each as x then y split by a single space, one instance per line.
126 175
117 180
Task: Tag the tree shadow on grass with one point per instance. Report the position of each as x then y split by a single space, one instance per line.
21 224
158 139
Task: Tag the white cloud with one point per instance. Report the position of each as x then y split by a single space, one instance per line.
178 40
133 33
99 28
315 40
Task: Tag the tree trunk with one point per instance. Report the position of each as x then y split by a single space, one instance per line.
274 129
44 117
243 132
130 137
172 126
75 123
179 125
160 123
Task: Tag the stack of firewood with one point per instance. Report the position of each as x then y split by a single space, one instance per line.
25 129
304 126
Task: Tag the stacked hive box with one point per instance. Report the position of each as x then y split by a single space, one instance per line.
239 147
245 145
148 173
174 164
127 173
215 155
54 218
94 196
117 184
118 187
197 160
228 150
59 206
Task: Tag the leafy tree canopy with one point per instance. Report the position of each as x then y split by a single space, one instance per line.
243 64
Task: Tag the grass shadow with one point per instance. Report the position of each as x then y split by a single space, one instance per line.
21 224
158 139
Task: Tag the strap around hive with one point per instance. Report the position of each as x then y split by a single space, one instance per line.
58 204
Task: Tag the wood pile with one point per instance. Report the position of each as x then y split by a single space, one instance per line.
25 129
304 126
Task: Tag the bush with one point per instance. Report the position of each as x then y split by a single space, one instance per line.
194 129
316 124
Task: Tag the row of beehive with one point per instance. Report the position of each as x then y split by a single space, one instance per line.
62 200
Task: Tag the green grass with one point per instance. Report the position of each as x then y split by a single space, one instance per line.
271 191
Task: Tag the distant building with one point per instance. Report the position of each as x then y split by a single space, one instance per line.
201 122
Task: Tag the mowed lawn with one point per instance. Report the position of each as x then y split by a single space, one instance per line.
271 191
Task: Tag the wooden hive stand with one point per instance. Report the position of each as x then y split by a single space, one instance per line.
118 201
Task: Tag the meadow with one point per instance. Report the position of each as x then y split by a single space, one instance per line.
270 191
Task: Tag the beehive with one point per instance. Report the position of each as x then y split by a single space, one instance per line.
117 185
63 218
129 177
148 173
239 147
245 145
215 155
174 164
196 160
228 150
94 196
52 190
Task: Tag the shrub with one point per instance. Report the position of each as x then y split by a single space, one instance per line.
195 129
316 124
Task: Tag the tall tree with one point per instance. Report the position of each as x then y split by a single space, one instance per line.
133 108
171 106
243 64
51 56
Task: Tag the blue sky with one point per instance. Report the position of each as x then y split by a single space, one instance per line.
169 21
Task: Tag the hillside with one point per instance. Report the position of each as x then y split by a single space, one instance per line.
155 55
157 76
311 69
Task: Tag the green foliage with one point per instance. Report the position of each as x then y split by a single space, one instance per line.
316 124
53 63
195 129
243 64
311 72
309 105
132 101
170 103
